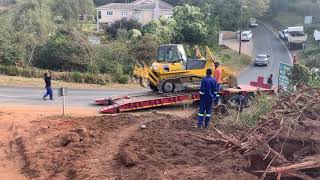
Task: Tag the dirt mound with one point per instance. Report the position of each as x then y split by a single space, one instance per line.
67 148
286 142
125 146
171 148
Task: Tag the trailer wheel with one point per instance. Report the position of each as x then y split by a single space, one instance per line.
168 87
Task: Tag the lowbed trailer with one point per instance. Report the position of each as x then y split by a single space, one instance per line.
149 100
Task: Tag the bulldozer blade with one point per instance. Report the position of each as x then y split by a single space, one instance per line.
143 83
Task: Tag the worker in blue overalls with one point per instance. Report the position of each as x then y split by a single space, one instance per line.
208 91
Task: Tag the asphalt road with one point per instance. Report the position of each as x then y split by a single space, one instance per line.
266 42
75 98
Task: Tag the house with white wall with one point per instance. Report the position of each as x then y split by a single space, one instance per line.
141 10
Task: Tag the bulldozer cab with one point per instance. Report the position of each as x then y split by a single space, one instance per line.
174 53
171 53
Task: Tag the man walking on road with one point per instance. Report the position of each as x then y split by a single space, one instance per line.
270 81
47 80
208 91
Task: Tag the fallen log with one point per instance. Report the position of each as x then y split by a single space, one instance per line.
307 163
210 140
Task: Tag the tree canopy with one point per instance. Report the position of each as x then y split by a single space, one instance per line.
191 27
122 24
163 30
70 10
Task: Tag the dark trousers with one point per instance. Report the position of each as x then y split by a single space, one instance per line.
204 111
48 93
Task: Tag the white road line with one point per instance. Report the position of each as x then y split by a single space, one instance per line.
279 39
270 44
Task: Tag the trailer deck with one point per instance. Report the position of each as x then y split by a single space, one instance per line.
148 100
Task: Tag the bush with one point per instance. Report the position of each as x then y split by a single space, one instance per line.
123 79
62 53
122 24
77 77
10 51
311 58
260 106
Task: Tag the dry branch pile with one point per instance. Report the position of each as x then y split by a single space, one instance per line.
286 142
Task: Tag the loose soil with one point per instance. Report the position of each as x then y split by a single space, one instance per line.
39 146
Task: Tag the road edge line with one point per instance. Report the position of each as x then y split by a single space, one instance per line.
279 39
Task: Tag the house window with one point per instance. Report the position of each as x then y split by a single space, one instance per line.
109 13
124 13
99 14
136 15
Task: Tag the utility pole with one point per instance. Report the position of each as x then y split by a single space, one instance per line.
240 42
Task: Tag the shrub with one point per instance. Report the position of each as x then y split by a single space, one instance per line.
122 24
123 79
60 76
260 106
61 53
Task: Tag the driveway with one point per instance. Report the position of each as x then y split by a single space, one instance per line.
246 47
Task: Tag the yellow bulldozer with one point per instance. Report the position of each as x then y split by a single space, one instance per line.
173 71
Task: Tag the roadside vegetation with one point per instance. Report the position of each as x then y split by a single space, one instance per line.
41 35
285 13
230 58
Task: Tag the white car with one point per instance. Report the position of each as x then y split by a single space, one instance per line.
246 36
262 60
284 34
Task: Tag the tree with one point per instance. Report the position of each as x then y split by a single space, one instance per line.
255 8
10 52
108 65
212 21
163 30
124 23
228 11
33 23
70 10
135 34
146 49
191 27
63 52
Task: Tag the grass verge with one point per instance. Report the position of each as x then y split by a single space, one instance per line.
231 59
38 82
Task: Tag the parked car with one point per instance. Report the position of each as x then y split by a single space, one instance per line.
262 60
284 34
246 36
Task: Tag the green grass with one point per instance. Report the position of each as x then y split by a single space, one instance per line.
230 58
89 27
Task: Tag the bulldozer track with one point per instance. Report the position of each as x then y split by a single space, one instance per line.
174 79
